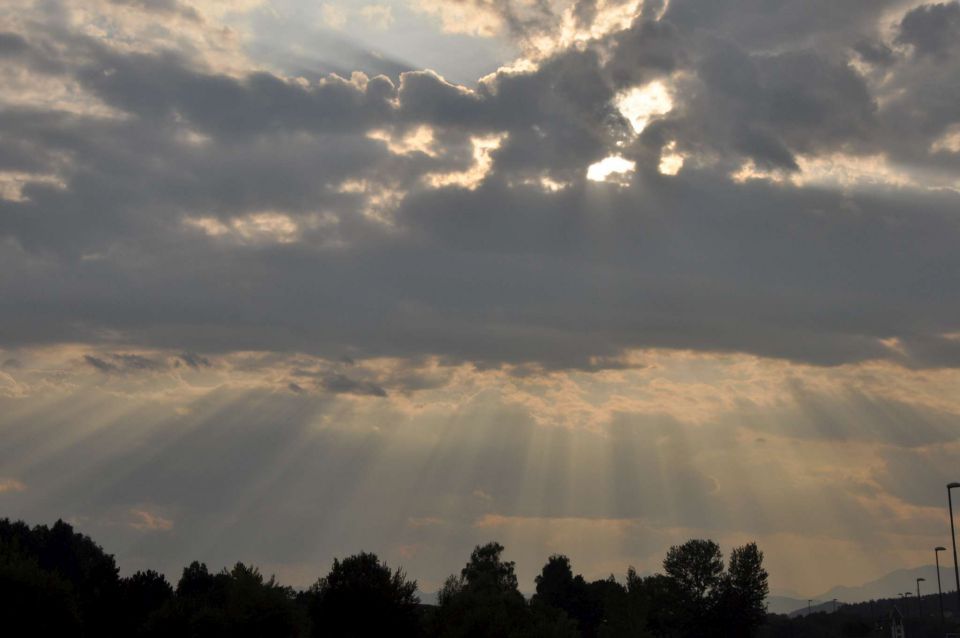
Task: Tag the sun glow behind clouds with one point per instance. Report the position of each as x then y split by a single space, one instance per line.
670 160
642 104
614 168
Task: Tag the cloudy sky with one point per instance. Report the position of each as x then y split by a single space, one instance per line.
281 280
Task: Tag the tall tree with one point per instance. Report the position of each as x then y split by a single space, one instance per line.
363 597
695 570
558 588
142 595
484 602
486 569
86 577
696 566
741 607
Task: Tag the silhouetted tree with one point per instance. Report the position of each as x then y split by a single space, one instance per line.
362 597
486 570
741 603
238 603
74 567
696 569
484 601
555 583
584 603
141 595
35 602
54 581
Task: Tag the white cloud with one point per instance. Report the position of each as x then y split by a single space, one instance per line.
334 15
379 16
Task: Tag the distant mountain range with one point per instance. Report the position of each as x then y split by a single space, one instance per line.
889 586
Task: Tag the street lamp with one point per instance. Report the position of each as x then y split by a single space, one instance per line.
919 599
936 556
953 536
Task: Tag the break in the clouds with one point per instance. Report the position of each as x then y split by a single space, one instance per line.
198 195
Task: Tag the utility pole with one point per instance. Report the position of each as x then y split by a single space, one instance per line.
936 556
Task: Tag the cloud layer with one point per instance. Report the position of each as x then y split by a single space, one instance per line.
164 202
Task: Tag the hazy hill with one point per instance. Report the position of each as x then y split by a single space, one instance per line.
888 586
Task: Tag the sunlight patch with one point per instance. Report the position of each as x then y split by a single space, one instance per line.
839 170
258 228
544 182
642 104
611 169
483 148
670 160
145 521
949 142
381 199
12 184
418 140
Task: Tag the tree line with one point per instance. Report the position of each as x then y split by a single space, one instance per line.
55 581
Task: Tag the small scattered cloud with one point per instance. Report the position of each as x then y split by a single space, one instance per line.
124 363
378 16
194 360
334 15
145 521
482 496
10 485
342 384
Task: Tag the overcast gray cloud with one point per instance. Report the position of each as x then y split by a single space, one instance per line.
276 176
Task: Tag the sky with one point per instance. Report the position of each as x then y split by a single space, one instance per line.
282 280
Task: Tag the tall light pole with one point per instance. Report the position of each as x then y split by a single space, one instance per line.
919 599
953 536
936 556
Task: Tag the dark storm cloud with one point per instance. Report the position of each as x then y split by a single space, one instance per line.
505 272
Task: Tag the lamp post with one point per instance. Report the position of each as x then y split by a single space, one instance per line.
936 556
919 599
953 536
